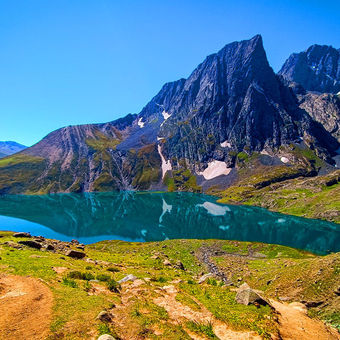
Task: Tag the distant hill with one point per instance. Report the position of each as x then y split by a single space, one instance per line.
8 148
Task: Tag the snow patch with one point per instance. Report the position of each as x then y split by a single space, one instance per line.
284 160
165 115
215 169
225 144
264 152
140 123
166 208
224 227
166 165
160 138
214 209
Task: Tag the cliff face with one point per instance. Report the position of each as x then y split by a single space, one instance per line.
193 133
316 69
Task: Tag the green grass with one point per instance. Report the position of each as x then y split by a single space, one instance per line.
74 301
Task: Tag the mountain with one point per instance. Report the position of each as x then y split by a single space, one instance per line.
9 148
316 69
232 117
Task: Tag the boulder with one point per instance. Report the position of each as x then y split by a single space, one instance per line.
179 265
22 234
246 296
49 247
13 245
167 263
104 316
204 278
75 254
106 337
129 277
32 244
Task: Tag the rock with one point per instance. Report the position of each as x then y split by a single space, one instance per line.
32 244
246 296
75 254
106 337
13 245
337 291
49 247
104 316
22 234
81 247
167 263
299 306
204 277
74 241
179 265
39 239
312 304
154 257
259 255
129 277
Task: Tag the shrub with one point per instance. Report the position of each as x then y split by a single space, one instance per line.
103 277
113 270
113 286
70 283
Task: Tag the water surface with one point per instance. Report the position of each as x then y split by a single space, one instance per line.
145 216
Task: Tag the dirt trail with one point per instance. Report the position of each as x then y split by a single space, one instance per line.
178 311
295 324
25 308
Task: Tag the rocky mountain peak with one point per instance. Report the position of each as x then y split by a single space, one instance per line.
316 69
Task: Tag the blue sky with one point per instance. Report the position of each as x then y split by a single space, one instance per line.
78 61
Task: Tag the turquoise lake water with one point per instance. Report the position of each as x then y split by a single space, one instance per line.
147 216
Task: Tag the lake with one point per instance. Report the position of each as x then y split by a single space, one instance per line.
148 216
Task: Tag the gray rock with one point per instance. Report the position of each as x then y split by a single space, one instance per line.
32 244
129 277
104 316
204 278
167 263
22 234
75 254
106 337
246 296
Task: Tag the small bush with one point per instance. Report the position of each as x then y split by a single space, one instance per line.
80 276
87 286
113 270
70 283
103 277
205 329
113 286
162 279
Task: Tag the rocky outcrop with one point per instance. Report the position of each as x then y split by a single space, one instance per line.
324 109
316 69
247 296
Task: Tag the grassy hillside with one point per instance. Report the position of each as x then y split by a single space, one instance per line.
314 197
167 274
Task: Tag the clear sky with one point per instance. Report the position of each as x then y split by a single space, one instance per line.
79 61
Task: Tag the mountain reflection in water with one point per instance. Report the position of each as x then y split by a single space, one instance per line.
147 216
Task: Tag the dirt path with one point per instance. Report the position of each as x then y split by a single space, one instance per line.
178 311
25 308
295 324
